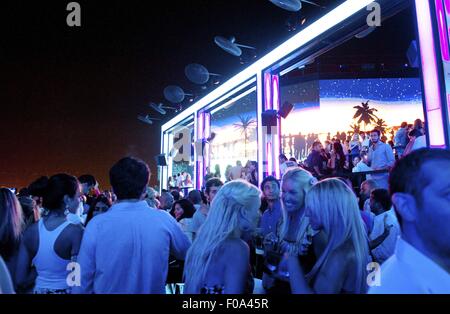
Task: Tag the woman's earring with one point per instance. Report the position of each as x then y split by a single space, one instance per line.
66 212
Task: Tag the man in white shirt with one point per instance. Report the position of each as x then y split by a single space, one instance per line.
420 191
381 206
211 188
126 250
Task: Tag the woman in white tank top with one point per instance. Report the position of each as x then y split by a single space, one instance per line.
52 243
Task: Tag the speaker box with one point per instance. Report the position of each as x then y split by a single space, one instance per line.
269 118
161 160
285 109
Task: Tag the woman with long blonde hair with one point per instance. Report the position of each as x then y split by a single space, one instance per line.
332 208
295 235
218 260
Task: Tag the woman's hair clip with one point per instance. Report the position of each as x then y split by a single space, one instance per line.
313 181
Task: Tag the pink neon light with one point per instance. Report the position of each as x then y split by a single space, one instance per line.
430 74
269 157
200 163
442 30
275 92
447 5
276 137
267 92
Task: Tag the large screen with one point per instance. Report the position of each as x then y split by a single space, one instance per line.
234 126
324 109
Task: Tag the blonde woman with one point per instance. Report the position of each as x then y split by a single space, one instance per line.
295 235
332 208
218 260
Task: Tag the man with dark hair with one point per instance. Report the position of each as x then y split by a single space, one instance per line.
380 157
315 160
271 192
385 229
37 190
195 197
419 185
126 250
166 201
211 188
89 188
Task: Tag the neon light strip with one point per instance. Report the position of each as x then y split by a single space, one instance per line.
200 159
259 110
442 30
430 75
267 92
207 134
324 24
277 137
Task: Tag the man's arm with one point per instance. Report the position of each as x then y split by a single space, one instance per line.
86 261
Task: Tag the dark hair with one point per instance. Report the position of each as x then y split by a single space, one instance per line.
338 149
376 131
415 133
88 179
404 124
37 187
282 156
269 179
418 124
175 194
99 199
23 192
26 202
382 196
188 209
407 177
129 178
293 159
212 182
10 223
195 197
314 145
58 186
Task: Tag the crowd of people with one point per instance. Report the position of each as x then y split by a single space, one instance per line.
300 234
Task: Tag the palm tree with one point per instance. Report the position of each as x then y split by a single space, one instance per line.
381 125
244 126
365 114
355 128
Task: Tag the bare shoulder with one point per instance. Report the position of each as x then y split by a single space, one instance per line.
236 247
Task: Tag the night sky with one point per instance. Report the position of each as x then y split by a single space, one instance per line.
70 96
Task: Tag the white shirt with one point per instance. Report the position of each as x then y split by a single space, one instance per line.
387 247
126 250
362 167
408 271
419 142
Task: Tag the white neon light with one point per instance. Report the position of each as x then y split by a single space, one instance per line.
319 27
259 110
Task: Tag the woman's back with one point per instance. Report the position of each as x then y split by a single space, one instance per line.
328 280
229 270
52 243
